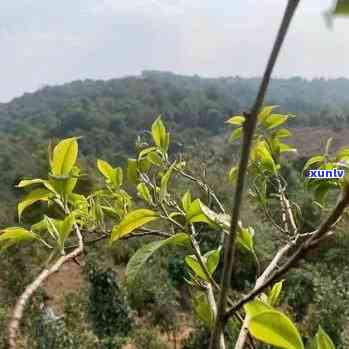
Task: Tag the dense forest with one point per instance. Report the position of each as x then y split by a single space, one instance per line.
113 119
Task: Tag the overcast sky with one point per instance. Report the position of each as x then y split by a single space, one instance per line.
52 42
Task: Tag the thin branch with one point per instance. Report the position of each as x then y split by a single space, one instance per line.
273 265
88 242
313 240
288 216
267 212
200 259
32 288
283 214
204 187
210 284
249 128
141 233
213 306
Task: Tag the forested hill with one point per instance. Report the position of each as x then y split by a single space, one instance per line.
109 114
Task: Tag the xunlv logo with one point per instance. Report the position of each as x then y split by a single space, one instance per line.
325 174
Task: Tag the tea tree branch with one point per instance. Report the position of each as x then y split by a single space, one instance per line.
313 240
249 128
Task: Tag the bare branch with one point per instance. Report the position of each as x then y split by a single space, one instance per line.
104 235
249 128
313 240
204 187
32 288
273 265
213 306
268 214
287 214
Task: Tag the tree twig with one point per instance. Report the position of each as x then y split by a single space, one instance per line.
287 214
32 288
313 240
249 128
140 232
204 187
273 265
267 213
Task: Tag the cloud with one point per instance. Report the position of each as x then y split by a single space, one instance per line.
54 42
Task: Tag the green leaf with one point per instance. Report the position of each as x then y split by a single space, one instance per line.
312 161
245 238
222 220
132 172
323 341
143 153
195 266
275 328
194 214
160 137
144 164
275 292
186 201
342 8
52 226
64 156
155 158
132 221
262 154
40 226
144 193
106 170
264 113
322 189
70 183
233 173
212 260
235 135
342 154
203 310
285 148
144 253
282 133
275 120
26 182
164 182
113 175
166 142
34 196
256 307
236 120
57 228
119 176
13 235
79 202
66 228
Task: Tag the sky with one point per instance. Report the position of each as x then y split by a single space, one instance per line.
52 42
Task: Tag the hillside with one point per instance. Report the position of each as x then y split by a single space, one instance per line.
110 114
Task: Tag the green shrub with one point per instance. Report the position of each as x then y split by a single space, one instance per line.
330 305
153 295
299 292
147 339
75 316
108 310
